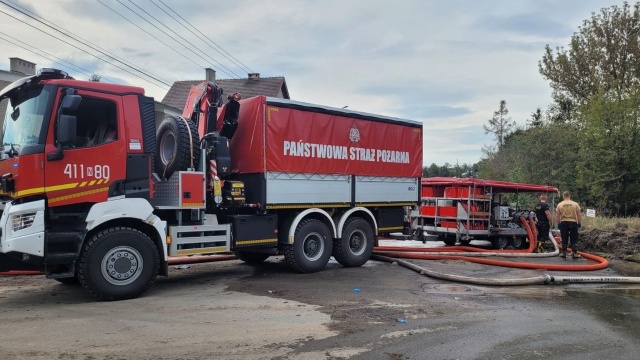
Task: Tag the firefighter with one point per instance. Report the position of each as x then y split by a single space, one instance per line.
543 214
568 218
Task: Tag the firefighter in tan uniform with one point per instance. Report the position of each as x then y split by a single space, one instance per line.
568 218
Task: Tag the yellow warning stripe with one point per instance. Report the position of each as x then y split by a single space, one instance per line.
391 228
305 206
252 242
80 194
39 190
42 189
208 250
193 204
387 204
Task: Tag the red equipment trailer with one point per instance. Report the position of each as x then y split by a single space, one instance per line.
464 209
96 191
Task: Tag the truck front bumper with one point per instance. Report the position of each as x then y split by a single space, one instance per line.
22 236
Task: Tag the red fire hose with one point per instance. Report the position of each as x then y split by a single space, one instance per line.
181 260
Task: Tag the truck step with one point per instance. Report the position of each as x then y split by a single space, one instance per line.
60 237
200 239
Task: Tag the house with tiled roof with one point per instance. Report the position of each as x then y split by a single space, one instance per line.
253 85
18 68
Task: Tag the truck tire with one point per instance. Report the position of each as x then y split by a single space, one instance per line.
251 257
311 248
118 263
447 239
465 242
174 141
519 242
500 242
355 246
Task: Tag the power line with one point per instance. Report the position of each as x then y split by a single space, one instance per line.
187 41
162 31
76 37
49 57
85 51
229 57
150 34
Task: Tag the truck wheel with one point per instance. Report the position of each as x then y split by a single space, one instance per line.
448 240
465 242
251 257
174 141
118 263
500 243
355 246
519 242
311 248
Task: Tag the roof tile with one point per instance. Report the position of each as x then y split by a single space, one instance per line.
267 86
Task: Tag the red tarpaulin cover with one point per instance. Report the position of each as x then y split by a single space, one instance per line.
300 140
495 184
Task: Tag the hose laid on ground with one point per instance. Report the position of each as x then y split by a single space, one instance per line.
183 260
20 273
471 256
180 260
536 280
544 279
475 252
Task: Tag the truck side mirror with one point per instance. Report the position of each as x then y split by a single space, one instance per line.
70 104
66 131
67 125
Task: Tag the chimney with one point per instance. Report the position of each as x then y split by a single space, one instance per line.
20 66
210 74
254 76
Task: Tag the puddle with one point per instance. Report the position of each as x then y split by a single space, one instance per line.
451 289
633 292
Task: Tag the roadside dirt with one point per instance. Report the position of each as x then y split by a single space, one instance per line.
619 242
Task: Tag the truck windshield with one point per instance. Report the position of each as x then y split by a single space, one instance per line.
23 121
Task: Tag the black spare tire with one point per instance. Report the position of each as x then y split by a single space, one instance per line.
175 138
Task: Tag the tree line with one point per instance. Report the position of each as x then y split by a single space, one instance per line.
588 139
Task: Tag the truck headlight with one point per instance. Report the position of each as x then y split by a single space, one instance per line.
23 221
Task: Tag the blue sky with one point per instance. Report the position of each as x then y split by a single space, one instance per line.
445 63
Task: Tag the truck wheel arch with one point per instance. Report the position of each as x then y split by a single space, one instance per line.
313 212
362 211
126 210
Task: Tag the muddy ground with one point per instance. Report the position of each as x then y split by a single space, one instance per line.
232 310
618 242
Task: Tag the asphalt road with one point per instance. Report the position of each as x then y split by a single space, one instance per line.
235 311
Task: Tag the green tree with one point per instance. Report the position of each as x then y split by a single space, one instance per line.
500 125
603 56
536 118
596 87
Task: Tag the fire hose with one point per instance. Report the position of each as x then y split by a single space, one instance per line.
179 260
394 254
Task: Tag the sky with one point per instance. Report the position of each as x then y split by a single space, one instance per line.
445 63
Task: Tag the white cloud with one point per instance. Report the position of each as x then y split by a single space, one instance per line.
446 63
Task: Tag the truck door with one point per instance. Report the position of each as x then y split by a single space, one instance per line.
96 160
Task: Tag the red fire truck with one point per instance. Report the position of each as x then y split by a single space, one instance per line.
99 191
464 209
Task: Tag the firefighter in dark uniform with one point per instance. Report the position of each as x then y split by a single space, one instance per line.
543 215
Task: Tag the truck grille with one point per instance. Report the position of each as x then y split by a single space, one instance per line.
23 221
